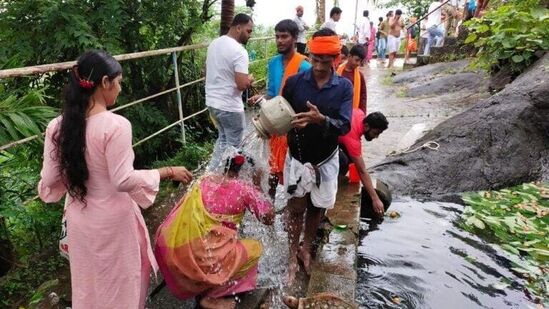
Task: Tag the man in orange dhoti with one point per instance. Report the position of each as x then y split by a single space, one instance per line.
288 62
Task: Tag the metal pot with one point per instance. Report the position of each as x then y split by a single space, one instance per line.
274 118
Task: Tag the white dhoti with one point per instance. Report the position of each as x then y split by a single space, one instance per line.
302 179
393 43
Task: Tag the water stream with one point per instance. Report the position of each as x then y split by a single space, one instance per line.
423 259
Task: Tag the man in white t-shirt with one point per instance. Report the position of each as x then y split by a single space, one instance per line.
431 26
364 31
302 27
335 15
226 77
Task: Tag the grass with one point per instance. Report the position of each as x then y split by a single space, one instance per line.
401 92
387 80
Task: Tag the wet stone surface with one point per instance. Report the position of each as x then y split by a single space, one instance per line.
425 72
448 83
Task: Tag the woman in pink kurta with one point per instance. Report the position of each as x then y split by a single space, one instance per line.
88 155
372 41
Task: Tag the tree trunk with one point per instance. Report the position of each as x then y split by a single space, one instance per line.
6 249
227 15
320 11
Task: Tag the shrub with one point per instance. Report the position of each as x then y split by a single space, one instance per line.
510 35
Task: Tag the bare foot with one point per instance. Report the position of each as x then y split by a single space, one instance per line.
292 270
217 303
290 301
305 257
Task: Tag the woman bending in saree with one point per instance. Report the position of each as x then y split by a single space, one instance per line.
197 246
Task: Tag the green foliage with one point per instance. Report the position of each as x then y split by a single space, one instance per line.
262 51
31 225
517 219
510 35
191 155
23 116
416 8
23 283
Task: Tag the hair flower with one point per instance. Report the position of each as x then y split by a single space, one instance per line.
86 84
239 160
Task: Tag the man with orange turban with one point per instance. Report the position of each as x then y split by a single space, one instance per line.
323 103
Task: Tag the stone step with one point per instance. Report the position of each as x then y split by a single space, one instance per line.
334 270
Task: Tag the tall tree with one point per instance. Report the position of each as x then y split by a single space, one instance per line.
227 15
320 11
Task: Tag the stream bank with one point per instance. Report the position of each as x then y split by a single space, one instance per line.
500 141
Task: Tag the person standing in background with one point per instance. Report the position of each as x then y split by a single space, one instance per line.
226 77
350 70
378 34
287 63
432 25
302 26
393 40
335 16
371 42
364 31
411 35
383 33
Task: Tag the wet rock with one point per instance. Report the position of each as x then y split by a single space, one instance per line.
499 142
500 79
446 84
428 71
325 301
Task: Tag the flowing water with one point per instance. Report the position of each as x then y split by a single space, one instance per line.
423 259
274 259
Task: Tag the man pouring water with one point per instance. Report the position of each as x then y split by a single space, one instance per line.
323 103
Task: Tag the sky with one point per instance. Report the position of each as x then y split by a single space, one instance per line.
269 12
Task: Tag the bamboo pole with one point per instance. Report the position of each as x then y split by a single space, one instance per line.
61 66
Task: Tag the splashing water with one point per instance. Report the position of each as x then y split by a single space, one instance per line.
274 258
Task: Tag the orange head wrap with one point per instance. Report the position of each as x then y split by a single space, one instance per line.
325 45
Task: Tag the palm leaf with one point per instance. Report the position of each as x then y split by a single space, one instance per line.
24 116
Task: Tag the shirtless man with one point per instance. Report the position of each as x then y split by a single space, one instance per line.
393 40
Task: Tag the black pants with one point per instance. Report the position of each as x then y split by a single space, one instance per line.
344 160
366 205
301 48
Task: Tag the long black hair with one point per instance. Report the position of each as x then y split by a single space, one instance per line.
70 139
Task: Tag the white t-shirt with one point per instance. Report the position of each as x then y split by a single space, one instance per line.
364 31
301 27
225 57
434 18
330 24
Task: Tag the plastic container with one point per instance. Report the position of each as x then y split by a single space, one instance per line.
353 174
